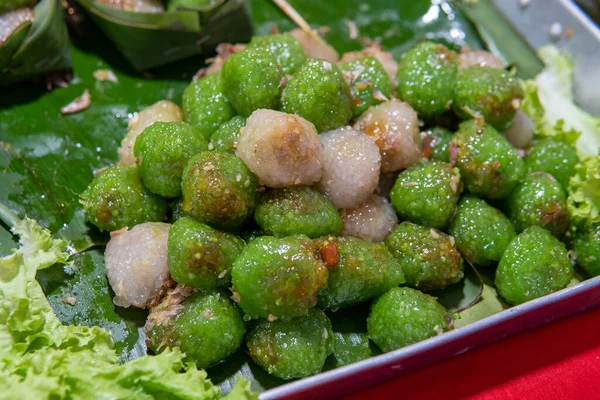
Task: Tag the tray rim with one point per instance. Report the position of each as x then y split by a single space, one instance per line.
393 360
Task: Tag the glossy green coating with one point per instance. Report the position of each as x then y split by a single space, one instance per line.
207 327
162 151
437 140
534 264
480 231
428 257
426 75
116 198
364 270
252 79
553 157
218 189
319 93
489 165
225 138
427 193
297 210
405 316
294 348
278 277
586 246
200 256
539 200
488 93
287 50
205 105
369 83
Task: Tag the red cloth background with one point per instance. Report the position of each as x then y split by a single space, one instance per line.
556 361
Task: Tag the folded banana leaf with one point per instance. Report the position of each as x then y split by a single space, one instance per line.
36 47
14 35
149 40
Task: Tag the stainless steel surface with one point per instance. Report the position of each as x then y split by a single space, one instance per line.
580 37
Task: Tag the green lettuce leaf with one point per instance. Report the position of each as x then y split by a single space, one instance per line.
241 391
584 193
549 103
42 359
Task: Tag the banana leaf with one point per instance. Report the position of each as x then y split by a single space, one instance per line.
47 159
8 5
36 49
149 40
12 43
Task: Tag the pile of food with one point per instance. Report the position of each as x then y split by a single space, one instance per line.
275 193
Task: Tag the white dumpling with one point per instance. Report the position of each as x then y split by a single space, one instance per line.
521 131
136 264
371 221
314 46
469 58
394 126
280 149
351 165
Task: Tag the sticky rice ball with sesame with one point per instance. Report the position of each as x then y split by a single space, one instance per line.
385 58
164 111
280 149
218 190
427 193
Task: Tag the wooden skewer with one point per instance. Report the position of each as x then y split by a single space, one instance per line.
293 15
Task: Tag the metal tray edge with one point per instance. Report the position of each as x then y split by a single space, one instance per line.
351 378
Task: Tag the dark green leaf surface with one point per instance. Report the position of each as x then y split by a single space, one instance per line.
47 159
79 295
462 295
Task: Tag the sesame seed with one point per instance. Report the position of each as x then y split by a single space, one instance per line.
556 30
